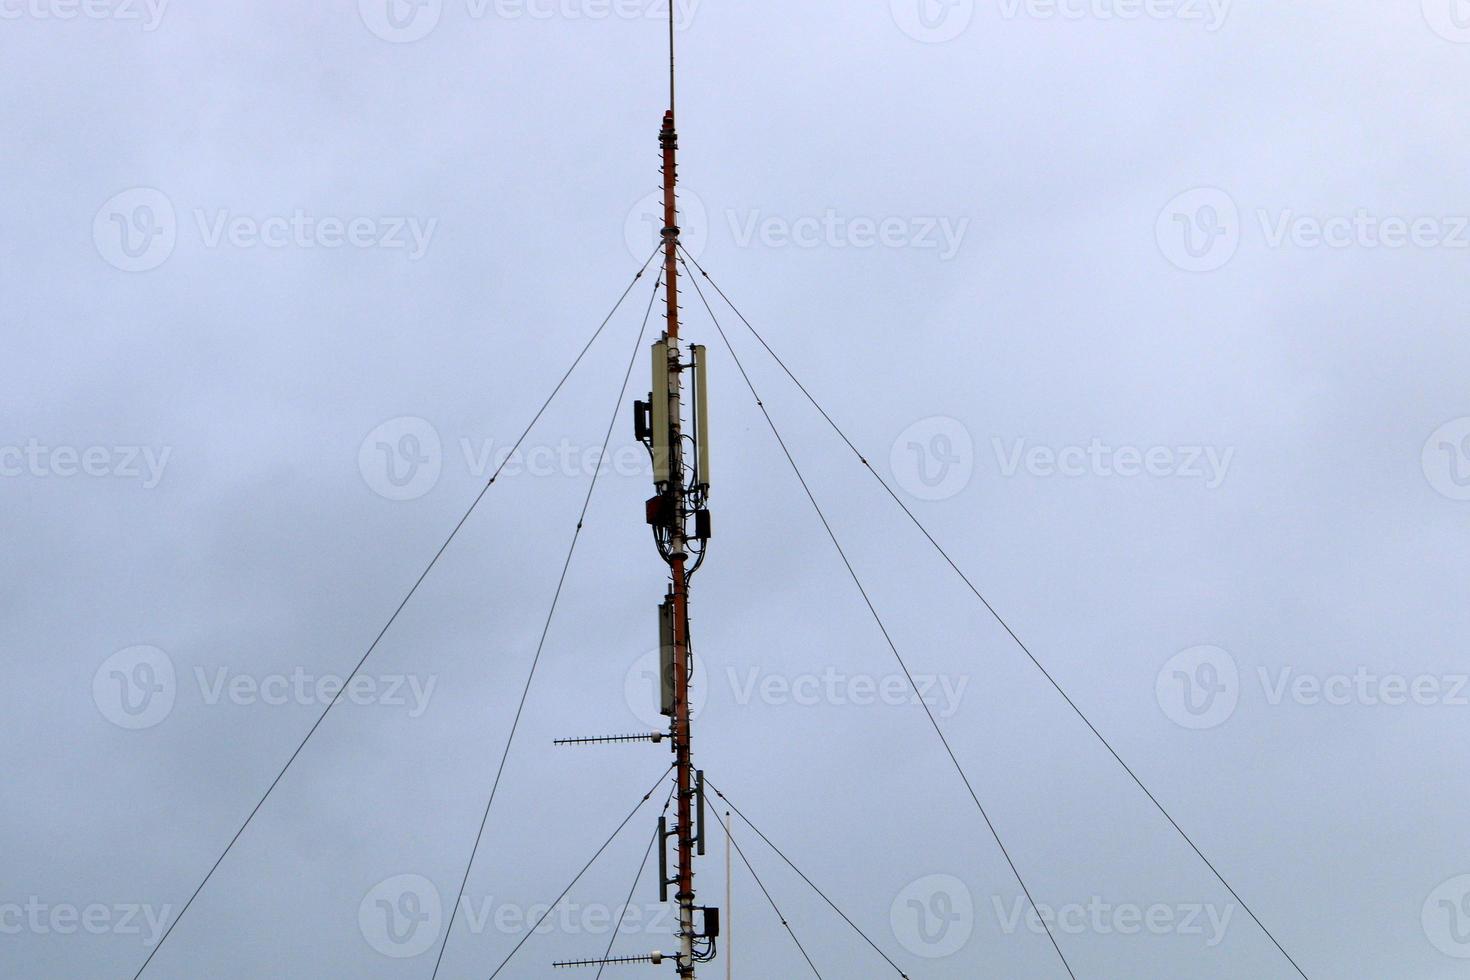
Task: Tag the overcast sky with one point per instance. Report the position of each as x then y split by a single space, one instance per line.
1154 312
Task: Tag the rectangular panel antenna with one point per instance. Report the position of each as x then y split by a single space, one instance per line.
666 666
701 413
660 445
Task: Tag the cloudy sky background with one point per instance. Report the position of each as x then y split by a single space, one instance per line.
1068 157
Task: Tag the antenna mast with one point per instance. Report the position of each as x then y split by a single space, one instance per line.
677 496
681 530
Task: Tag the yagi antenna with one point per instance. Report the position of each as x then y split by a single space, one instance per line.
653 959
654 737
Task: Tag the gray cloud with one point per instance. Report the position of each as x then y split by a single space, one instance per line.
1082 295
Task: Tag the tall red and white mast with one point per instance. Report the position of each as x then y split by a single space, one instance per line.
681 525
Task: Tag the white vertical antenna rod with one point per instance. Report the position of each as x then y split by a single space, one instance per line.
729 906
